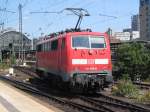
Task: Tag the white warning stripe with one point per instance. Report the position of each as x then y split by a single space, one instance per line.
101 61
86 61
79 61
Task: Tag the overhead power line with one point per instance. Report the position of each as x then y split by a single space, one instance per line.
108 16
2 25
4 10
2 16
76 11
57 12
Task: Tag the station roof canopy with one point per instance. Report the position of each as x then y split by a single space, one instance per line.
10 36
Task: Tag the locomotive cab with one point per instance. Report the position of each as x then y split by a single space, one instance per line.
90 60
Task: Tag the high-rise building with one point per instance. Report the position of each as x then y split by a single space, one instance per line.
135 23
123 36
144 15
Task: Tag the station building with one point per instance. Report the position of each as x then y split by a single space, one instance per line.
12 41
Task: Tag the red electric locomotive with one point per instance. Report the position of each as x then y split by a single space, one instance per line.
79 59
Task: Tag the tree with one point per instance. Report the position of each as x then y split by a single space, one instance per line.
133 59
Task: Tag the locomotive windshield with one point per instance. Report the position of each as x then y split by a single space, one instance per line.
88 42
80 42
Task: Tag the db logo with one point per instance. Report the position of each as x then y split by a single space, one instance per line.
91 61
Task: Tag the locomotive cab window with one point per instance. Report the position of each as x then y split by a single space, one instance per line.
54 45
80 42
88 42
39 48
97 42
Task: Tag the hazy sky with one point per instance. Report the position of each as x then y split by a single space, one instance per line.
35 24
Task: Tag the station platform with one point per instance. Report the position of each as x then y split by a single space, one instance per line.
15 100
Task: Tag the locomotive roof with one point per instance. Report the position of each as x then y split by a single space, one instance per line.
48 37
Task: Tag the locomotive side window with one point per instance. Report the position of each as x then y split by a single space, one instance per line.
63 43
97 42
46 46
80 42
54 45
43 47
49 46
39 48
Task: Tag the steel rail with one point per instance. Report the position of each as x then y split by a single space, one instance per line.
123 103
29 88
109 101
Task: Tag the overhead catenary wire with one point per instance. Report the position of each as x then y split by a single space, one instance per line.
5 10
5 13
62 3
57 12
115 17
80 12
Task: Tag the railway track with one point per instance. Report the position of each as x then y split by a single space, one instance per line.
64 102
108 100
111 105
142 85
29 71
100 103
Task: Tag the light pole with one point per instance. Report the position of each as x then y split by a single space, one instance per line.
20 30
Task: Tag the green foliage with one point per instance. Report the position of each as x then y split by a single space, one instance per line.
147 80
144 98
125 77
133 59
4 66
126 88
8 62
12 59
